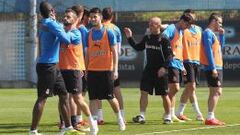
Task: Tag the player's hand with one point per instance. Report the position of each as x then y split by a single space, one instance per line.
214 73
127 32
184 71
114 75
81 73
85 75
221 30
161 72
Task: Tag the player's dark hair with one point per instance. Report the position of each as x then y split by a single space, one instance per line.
45 9
96 10
214 16
107 13
78 9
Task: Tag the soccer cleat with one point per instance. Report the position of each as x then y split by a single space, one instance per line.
83 128
138 119
100 122
167 121
71 132
34 133
183 117
61 125
84 123
121 125
214 122
199 118
94 128
175 119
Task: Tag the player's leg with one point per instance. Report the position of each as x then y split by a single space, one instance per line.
46 79
215 91
161 88
146 87
118 94
174 87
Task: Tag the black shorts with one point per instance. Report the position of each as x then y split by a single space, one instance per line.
117 82
150 81
50 81
214 82
174 75
193 73
84 84
100 85
73 81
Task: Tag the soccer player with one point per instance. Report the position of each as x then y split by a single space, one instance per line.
102 65
192 39
211 58
50 81
84 31
107 14
71 65
154 76
174 33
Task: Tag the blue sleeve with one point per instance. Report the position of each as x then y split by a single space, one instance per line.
75 37
57 29
118 35
208 41
169 32
222 40
112 38
84 33
87 39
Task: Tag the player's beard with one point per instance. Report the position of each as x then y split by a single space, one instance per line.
66 23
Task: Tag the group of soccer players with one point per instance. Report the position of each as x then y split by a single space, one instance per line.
72 57
175 55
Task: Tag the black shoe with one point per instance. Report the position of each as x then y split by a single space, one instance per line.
138 119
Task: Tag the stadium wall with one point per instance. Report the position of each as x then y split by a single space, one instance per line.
16 43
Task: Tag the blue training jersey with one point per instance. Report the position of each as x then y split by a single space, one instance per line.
51 33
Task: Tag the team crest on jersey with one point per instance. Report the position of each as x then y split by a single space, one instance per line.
97 43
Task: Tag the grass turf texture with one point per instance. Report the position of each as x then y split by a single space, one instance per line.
16 111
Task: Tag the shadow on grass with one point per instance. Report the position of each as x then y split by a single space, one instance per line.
24 128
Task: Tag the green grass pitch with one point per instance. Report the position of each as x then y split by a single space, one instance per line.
16 111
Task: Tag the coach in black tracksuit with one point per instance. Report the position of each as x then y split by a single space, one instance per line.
158 51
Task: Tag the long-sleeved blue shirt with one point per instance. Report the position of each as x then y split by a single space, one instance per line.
51 33
208 41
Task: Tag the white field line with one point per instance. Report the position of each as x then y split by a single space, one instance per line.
189 129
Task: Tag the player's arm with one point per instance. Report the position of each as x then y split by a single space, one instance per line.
119 39
84 34
208 41
137 46
221 37
86 58
114 48
75 37
58 30
166 51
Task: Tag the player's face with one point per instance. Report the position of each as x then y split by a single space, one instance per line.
218 23
185 25
69 19
154 26
95 19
